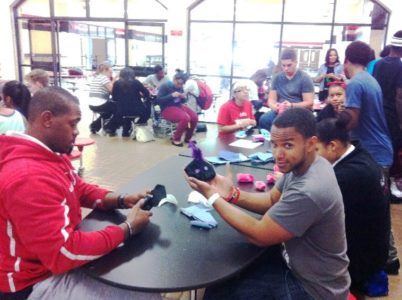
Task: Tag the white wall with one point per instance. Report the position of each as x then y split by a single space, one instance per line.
175 49
7 49
395 23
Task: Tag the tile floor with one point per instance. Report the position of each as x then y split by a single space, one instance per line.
113 161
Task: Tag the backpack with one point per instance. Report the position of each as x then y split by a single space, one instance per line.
204 100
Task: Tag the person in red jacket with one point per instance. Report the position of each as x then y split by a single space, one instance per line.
237 113
40 208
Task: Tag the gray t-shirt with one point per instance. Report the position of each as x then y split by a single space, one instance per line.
153 81
311 208
293 89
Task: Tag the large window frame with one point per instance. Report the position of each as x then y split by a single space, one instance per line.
283 22
54 20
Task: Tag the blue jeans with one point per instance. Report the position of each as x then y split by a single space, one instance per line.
267 278
267 119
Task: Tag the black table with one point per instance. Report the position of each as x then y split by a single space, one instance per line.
212 147
170 254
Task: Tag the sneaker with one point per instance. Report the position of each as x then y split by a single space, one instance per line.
377 285
392 268
394 199
93 131
395 190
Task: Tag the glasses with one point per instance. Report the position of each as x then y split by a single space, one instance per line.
242 90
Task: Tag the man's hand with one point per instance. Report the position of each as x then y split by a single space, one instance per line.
131 199
220 184
138 218
178 95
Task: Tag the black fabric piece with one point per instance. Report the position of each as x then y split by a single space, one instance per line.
201 170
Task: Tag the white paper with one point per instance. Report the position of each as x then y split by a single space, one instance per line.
245 144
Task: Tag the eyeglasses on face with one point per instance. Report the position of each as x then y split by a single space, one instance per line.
242 90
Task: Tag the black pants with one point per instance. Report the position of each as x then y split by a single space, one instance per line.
143 112
20 295
105 112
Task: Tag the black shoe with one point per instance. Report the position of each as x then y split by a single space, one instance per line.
392 268
93 130
126 134
394 199
177 145
110 133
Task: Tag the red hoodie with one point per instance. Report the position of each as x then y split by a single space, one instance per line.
40 199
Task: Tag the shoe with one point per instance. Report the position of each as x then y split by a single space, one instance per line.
177 144
395 190
190 140
394 199
392 268
377 285
93 131
126 134
110 133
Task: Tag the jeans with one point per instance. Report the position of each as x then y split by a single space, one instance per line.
77 285
267 119
267 278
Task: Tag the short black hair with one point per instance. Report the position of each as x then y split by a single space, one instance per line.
157 69
54 99
331 129
289 53
180 75
300 118
358 52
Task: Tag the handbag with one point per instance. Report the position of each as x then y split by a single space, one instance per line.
144 134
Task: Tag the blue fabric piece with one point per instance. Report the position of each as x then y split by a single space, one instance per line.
232 156
200 213
265 133
215 160
262 156
241 134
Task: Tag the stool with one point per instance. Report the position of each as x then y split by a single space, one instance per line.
164 128
75 154
80 143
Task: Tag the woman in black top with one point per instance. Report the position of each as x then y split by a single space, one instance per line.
128 93
367 216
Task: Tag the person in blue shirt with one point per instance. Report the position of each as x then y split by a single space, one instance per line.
364 103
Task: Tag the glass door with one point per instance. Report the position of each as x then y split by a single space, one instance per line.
146 46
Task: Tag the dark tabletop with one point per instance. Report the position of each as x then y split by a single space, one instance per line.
212 147
170 254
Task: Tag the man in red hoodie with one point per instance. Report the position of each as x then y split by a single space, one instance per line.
40 208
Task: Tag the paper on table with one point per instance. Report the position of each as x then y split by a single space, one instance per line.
245 144
196 197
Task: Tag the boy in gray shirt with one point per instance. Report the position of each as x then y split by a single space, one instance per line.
301 210
290 88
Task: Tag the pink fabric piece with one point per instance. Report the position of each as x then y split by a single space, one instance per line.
244 177
270 179
260 186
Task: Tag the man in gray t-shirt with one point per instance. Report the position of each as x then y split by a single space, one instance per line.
304 210
290 88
